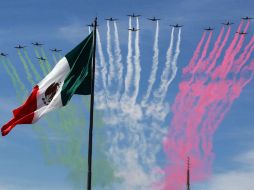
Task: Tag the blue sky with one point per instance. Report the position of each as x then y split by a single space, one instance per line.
61 24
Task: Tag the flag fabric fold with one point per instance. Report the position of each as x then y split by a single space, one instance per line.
71 75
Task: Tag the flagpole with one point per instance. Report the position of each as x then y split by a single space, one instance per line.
90 141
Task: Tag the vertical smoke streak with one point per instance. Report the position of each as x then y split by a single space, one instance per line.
14 83
217 55
29 76
195 55
46 61
174 64
129 73
110 56
54 58
193 125
153 74
102 96
119 64
166 71
137 65
31 65
15 74
213 52
40 62
199 64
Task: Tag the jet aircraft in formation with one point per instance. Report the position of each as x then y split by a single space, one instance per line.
227 23
3 54
133 29
241 33
176 25
37 44
55 50
111 19
209 29
153 19
19 47
133 15
41 58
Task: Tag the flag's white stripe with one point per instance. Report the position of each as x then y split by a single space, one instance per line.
58 74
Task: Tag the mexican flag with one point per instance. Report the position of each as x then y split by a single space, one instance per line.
71 75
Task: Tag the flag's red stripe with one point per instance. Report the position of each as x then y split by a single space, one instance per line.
24 114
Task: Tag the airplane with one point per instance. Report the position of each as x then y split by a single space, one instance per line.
3 54
37 44
247 18
19 47
133 29
134 16
41 58
91 25
111 19
153 19
227 23
55 50
209 29
242 33
176 26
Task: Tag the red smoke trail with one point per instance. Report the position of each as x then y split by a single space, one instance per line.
204 53
200 107
214 51
217 55
195 56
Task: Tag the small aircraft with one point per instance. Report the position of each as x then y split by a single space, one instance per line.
209 29
41 58
91 25
37 44
133 29
153 19
247 18
19 47
242 33
111 19
3 54
227 23
55 50
176 26
134 16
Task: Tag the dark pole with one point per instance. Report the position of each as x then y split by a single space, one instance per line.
90 141
188 174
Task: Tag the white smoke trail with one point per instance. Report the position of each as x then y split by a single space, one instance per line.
137 65
101 74
174 65
110 56
156 108
166 71
129 64
152 77
119 64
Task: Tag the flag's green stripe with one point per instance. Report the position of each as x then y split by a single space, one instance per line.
78 81
36 74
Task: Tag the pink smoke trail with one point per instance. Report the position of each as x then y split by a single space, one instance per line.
214 51
203 105
195 56
217 55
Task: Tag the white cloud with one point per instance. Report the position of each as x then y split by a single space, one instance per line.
238 179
